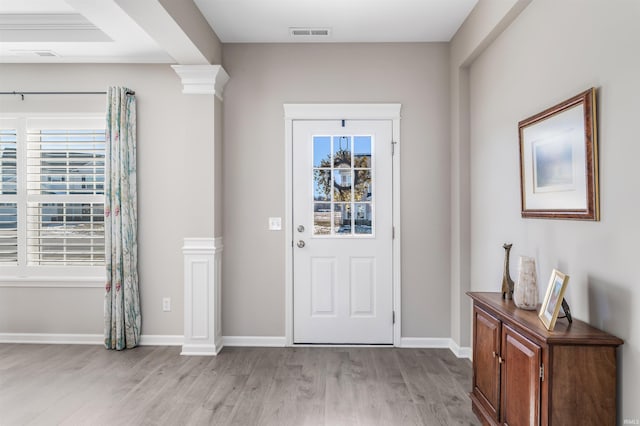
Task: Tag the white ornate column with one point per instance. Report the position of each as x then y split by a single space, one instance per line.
202 314
202 79
202 256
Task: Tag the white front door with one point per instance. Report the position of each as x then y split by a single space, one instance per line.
342 231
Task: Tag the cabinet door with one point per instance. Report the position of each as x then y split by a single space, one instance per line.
520 379
486 370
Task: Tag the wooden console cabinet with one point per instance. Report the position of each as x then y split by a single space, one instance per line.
525 375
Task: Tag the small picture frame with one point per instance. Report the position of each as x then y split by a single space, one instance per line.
553 299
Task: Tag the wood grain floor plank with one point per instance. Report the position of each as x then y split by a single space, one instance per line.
57 380
88 385
296 396
124 383
248 408
340 396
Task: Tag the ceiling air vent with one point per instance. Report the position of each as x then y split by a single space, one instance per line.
309 32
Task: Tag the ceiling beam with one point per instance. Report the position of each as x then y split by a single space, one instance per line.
188 16
176 27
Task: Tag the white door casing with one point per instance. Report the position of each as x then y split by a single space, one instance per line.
343 283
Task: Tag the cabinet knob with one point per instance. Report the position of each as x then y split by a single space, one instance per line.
500 360
495 354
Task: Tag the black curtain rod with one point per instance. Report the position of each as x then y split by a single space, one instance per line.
59 93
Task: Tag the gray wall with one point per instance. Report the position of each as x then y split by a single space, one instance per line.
263 78
175 187
486 21
551 52
169 124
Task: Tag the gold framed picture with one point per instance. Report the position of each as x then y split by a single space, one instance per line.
553 299
559 161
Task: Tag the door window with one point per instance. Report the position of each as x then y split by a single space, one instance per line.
343 182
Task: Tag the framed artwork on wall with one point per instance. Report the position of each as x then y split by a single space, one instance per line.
559 161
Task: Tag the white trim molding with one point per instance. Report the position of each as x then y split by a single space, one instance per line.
364 111
84 339
161 340
425 342
202 79
202 294
256 341
461 351
237 341
52 338
436 343
55 282
342 111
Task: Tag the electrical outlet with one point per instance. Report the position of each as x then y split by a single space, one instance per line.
166 304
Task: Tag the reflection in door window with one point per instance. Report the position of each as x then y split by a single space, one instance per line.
343 183
322 218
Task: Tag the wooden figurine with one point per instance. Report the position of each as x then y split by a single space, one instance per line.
507 282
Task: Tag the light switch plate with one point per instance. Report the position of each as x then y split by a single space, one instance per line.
275 223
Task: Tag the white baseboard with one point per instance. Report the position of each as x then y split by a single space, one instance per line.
198 350
145 340
430 342
460 351
425 342
161 340
259 341
84 339
52 339
178 340
201 349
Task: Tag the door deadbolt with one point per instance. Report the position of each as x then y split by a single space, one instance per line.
300 228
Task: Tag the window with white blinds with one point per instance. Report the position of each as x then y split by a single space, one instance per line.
55 214
8 198
65 193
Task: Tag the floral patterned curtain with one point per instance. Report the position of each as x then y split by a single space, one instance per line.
122 318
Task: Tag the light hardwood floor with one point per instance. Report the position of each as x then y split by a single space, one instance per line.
88 385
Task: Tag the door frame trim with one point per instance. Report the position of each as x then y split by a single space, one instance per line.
293 112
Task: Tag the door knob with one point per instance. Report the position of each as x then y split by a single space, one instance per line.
301 244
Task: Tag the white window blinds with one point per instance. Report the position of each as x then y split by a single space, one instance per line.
65 193
55 214
8 198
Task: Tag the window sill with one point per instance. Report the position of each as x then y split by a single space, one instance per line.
53 282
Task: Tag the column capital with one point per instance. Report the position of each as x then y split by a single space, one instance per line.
202 79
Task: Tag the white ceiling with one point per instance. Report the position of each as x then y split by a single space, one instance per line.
122 39
102 31
256 21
